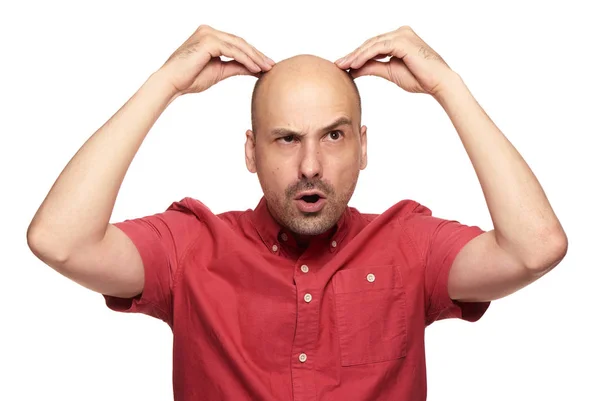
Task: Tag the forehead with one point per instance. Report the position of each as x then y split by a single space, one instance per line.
306 100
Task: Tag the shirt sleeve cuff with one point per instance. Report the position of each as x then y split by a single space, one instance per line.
447 307
150 253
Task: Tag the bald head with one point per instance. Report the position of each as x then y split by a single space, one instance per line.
308 76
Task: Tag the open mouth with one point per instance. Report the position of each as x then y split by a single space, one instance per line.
311 198
310 202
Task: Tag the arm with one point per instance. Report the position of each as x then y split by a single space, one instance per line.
75 214
527 240
70 231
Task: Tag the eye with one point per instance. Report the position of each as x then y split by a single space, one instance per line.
336 135
287 139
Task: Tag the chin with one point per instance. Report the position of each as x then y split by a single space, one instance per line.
308 230
310 223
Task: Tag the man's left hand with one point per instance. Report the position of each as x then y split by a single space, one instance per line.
413 65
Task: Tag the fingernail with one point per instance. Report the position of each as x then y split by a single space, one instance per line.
270 61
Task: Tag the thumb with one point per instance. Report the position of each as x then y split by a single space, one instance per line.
231 68
372 67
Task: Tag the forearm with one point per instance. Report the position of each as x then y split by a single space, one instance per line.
524 222
78 207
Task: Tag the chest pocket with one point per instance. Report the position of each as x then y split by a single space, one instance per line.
371 314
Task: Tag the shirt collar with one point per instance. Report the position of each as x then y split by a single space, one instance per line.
274 235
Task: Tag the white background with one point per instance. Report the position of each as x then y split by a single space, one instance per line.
68 66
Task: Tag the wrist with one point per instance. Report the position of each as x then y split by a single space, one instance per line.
161 84
451 88
451 82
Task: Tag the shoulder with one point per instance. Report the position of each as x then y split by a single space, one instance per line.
191 206
399 221
408 208
396 214
197 209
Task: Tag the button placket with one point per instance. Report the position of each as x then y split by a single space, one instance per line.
303 378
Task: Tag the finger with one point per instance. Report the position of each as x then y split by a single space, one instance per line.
341 62
384 47
232 68
260 60
376 68
229 50
344 62
265 57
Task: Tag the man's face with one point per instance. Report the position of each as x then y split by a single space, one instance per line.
308 149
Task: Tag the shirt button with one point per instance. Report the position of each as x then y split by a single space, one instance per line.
302 357
284 236
304 268
333 244
307 298
370 277
274 248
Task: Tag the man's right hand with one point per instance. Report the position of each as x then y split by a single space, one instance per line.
196 65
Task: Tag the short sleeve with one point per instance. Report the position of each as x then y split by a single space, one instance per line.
438 242
162 240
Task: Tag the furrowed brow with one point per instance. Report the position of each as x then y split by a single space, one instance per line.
286 131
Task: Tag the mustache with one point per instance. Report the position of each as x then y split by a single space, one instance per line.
307 185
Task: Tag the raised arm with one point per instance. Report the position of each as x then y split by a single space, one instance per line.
527 240
70 231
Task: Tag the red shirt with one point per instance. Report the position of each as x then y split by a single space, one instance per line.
256 318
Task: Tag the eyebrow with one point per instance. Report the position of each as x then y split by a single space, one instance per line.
339 122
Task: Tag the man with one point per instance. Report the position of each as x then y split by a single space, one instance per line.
302 298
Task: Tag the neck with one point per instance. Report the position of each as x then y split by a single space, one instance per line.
302 240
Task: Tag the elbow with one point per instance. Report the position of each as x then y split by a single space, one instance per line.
44 248
548 255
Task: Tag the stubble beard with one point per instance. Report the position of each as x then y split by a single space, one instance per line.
285 211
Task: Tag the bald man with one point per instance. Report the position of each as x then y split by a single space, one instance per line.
302 297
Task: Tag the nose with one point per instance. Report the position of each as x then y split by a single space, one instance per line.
310 164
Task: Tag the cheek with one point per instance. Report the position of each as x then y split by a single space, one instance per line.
348 175
276 174
276 166
343 173
344 165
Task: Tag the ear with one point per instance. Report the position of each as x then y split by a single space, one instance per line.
250 151
363 147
